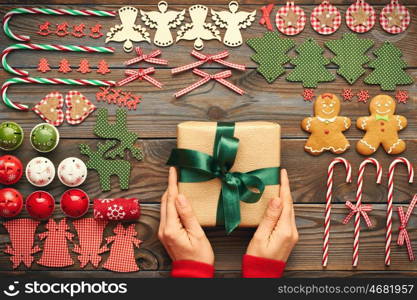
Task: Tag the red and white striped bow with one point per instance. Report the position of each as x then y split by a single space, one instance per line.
206 58
219 77
266 16
403 235
150 58
362 209
141 74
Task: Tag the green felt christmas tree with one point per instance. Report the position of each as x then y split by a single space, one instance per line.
388 68
310 65
271 54
350 55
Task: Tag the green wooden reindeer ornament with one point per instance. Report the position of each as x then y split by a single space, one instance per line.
118 131
107 167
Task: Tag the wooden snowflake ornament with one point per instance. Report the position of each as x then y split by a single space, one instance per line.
198 30
360 17
325 18
128 32
395 17
163 20
233 20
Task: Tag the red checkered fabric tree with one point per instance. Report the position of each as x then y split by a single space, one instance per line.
43 65
84 66
64 66
103 67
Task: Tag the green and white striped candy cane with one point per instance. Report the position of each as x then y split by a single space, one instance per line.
48 11
40 80
46 47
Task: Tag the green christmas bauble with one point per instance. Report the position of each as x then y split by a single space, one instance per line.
11 136
44 137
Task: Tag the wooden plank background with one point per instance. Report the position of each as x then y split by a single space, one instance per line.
160 112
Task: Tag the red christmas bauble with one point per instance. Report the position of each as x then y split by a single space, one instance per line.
11 169
74 203
11 203
40 205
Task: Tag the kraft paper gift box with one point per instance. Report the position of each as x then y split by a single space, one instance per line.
258 148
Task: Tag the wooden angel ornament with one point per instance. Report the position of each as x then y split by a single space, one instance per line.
163 20
128 32
233 20
198 30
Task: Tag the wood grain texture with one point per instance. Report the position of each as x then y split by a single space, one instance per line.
156 120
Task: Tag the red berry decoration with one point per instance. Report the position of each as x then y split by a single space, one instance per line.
11 169
308 95
11 203
363 96
40 205
347 94
74 203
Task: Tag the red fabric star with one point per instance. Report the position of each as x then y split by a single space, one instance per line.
347 94
308 95
363 96
402 96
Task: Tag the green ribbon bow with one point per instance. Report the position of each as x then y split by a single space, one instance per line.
379 117
248 187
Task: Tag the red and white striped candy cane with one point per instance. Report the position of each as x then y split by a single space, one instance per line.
41 80
46 47
48 11
329 195
358 205
388 231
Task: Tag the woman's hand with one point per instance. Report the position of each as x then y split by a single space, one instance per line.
277 233
179 230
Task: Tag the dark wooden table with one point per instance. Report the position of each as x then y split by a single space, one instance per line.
156 120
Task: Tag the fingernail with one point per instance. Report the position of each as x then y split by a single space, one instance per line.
170 170
275 203
182 201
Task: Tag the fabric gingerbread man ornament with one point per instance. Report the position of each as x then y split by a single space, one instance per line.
326 127
55 250
122 252
381 127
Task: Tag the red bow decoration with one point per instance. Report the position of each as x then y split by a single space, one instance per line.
362 209
150 58
266 16
206 58
403 235
141 74
219 77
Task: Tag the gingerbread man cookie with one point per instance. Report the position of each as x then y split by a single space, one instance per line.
326 127
381 127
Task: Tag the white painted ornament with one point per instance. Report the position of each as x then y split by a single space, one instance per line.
128 32
233 20
72 172
395 17
40 171
163 20
198 30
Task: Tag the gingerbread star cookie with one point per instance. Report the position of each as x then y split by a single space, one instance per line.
78 107
381 127
290 19
50 108
395 17
325 18
326 127
360 17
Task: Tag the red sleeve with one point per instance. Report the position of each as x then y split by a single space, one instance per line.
258 267
191 269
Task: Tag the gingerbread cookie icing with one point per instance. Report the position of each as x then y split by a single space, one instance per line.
381 127
326 127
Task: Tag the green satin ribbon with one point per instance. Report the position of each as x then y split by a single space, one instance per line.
384 118
248 187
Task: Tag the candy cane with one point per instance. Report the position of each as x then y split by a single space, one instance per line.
388 231
40 80
47 47
329 193
358 205
48 11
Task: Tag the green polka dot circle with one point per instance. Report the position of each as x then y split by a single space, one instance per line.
44 137
11 136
